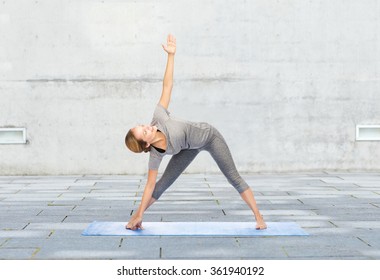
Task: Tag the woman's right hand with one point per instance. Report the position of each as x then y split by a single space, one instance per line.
135 223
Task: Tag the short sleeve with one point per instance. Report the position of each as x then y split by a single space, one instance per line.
160 113
154 161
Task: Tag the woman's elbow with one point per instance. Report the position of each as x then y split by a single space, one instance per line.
168 86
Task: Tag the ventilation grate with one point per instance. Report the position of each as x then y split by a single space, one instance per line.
368 132
12 135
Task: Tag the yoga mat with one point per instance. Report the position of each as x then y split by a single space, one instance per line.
193 229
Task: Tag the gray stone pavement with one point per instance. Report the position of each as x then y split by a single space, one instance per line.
42 217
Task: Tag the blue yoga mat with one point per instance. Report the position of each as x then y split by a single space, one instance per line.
193 229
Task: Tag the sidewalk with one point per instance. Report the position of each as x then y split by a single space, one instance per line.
42 217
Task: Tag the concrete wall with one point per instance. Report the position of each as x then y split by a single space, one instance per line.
286 82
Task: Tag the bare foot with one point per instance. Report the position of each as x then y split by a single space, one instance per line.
260 224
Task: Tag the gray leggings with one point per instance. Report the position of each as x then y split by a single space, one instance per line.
220 152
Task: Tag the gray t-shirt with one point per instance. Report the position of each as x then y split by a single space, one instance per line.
180 135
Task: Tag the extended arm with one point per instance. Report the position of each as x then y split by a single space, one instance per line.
146 200
167 86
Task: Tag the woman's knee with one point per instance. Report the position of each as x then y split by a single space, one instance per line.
157 192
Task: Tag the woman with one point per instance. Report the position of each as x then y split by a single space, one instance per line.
184 140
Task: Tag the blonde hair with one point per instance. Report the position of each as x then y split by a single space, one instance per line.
136 146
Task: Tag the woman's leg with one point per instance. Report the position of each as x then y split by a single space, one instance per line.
177 164
220 152
249 198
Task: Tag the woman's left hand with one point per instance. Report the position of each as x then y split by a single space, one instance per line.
170 47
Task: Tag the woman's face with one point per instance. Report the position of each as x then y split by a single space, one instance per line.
145 132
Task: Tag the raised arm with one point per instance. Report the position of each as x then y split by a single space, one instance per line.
167 86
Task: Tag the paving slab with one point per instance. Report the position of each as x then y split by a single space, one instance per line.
24 233
19 243
374 224
12 225
199 248
312 252
95 254
18 253
42 217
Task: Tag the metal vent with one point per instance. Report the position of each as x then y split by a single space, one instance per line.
12 135
368 132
